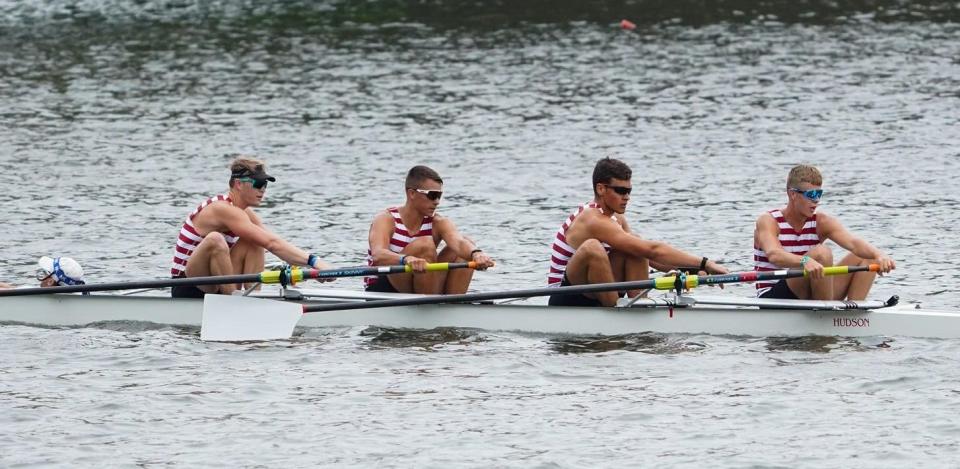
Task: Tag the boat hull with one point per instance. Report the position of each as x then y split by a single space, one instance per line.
81 310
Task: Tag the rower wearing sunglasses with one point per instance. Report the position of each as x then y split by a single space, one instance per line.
410 235
596 245
223 235
793 237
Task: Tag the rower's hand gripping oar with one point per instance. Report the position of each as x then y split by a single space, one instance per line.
227 320
284 277
237 318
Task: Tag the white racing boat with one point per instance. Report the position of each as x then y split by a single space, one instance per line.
668 313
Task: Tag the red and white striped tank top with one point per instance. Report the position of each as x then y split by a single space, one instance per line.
794 242
401 237
561 252
188 239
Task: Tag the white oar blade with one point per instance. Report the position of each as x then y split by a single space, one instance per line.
231 318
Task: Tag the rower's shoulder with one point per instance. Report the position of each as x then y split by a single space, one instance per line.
253 216
589 213
826 220
766 216
218 208
442 223
593 217
766 223
384 213
382 217
821 215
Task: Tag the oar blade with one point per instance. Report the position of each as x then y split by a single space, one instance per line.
232 318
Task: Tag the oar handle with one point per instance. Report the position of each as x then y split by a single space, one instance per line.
847 269
693 281
364 271
284 276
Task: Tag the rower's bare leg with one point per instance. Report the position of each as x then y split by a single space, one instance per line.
590 265
428 283
853 287
211 257
817 289
627 268
457 281
247 258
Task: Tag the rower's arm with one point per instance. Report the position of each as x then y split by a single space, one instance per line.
461 245
656 265
240 223
831 228
766 234
379 239
660 253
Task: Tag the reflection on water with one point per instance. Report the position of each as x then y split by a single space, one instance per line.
814 344
648 342
421 338
312 15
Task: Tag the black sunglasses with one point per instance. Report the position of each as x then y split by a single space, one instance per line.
256 183
432 195
622 190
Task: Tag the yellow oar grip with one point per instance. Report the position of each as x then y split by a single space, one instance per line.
273 276
435 267
842 270
668 283
440 267
664 283
270 276
834 270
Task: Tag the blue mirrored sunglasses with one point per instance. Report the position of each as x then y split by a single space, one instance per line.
256 183
813 194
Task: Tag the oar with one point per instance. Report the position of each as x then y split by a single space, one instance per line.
284 277
236 318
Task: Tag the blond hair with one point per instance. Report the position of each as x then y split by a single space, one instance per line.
247 162
804 173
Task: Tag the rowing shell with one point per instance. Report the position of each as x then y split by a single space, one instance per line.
721 315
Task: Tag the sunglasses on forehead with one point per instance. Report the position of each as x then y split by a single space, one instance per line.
432 195
622 190
813 194
256 183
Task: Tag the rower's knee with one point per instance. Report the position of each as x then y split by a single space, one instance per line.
593 249
822 254
215 243
422 247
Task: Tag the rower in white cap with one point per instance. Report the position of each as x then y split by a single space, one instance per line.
59 271
55 272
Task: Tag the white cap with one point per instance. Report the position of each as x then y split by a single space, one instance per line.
64 269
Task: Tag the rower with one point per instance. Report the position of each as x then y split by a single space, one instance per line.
793 237
410 235
596 245
55 272
223 235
